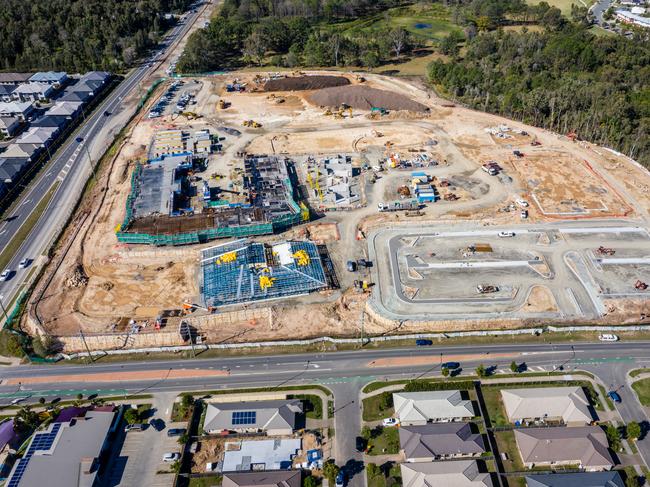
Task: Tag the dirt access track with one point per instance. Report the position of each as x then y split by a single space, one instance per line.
101 285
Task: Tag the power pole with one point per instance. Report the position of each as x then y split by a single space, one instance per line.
83 337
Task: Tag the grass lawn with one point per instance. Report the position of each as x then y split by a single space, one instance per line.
374 408
638 372
564 5
411 66
507 444
313 405
642 389
205 481
427 23
384 443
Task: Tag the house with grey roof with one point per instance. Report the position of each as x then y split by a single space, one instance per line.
18 109
270 478
27 151
66 453
6 92
56 121
38 135
582 479
54 78
583 446
14 78
259 455
76 95
564 404
275 418
33 92
428 442
9 126
412 408
66 108
461 473
11 168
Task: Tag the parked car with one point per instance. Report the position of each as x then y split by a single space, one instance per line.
134 427
360 444
351 266
176 432
171 457
614 396
6 275
421 342
390 422
340 479
450 365
522 203
506 234
608 337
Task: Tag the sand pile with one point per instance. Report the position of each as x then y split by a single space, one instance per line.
297 83
364 98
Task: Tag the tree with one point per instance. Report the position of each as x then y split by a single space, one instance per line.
131 416
80 396
445 372
42 345
184 438
336 46
398 39
187 400
370 59
330 471
483 23
373 470
10 344
25 420
613 437
514 367
633 430
481 371
366 433
41 400
255 46
309 481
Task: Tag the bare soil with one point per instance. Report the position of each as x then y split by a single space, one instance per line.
301 83
365 98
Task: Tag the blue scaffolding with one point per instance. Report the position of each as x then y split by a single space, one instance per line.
232 273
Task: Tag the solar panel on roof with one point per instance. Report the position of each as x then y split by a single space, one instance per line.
244 417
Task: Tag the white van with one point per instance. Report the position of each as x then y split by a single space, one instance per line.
608 337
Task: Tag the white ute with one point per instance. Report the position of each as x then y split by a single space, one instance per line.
608 337
506 234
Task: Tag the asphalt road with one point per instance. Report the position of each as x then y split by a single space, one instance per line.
70 168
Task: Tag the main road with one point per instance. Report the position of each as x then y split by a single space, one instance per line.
68 171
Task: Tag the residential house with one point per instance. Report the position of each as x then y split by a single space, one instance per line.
413 408
56 121
6 93
14 78
260 455
11 168
33 92
21 110
279 478
39 136
9 126
582 479
66 108
28 151
53 78
76 96
583 446
275 418
428 442
66 453
566 404
462 473
628 17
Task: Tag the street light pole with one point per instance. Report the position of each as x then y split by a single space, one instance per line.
81 141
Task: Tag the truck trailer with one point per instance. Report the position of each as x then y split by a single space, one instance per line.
411 204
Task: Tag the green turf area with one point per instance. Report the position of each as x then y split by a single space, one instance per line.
506 444
313 406
638 372
642 389
378 407
384 441
427 23
214 481
563 5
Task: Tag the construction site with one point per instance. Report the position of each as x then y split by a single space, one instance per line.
364 201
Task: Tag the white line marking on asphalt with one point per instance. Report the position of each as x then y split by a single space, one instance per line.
4 231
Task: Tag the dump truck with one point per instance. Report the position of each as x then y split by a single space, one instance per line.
411 204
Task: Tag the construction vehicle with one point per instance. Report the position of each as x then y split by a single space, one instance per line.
251 123
376 133
364 263
302 258
640 285
362 286
486 289
492 168
361 79
190 115
451 197
605 251
535 142
266 281
411 204
518 154
328 113
414 213
379 110
222 104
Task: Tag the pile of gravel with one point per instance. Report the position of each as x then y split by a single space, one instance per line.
364 98
299 83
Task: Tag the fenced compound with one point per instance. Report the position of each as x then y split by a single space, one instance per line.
241 271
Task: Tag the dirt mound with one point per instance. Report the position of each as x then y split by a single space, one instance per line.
365 98
298 83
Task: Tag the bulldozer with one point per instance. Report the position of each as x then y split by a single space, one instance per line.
328 113
251 123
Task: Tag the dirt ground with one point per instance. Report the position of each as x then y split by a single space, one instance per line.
101 282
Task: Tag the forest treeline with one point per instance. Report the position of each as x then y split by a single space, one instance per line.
318 32
563 79
80 35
